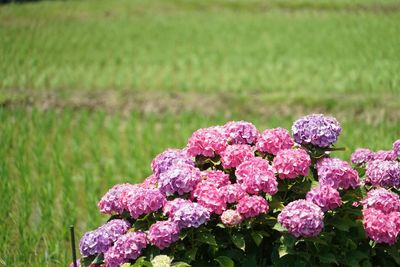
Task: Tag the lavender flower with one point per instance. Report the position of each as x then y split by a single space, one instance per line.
361 156
383 200
337 173
163 233
101 239
165 160
180 178
191 215
144 201
241 132
316 129
383 173
326 197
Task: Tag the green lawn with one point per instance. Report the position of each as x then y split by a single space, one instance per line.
91 91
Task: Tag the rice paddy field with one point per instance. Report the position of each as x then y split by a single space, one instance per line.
91 91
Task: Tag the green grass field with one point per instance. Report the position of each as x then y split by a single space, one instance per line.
91 91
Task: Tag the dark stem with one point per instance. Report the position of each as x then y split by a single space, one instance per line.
75 264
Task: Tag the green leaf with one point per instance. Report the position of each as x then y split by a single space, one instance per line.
257 237
394 253
282 251
207 238
224 261
327 257
180 264
140 262
239 241
288 240
278 227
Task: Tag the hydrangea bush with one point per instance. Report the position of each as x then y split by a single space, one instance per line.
237 197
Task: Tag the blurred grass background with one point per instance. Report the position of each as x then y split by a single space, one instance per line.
91 91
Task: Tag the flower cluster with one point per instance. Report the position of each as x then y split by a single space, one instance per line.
241 132
383 173
337 173
317 130
167 159
273 140
233 155
302 218
326 197
163 233
291 163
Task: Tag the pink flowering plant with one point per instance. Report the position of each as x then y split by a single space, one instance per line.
237 197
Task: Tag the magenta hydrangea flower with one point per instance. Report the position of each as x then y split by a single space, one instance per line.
383 173
396 148
165 160
252 206
291 163
127 247
210 197
111 202
207 141
337 173
385 155
150 182
145 201
181 179
101 239
216 177
231 217
273 140
379 226
191 215
302 218
362 156
163 233
326 197
172 206
316 129
241 132
233 193
233 155
257 175
382 200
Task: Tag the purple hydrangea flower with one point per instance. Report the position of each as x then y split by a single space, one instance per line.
383 200
273 140
257 175
316 129
165 160
181 179
379 226
163 233
111 202
361 156
127 247
337 173
396 148
241 132
144 201
101 239
207 142
326 197
302 218
191 215
383 173
171 206
385 155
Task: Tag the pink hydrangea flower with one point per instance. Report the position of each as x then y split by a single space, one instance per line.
302 218
181 179
163 233
379 226
216 177
241 132
165 160
361 156
150 182
145 201
252 206
231 218
383 173
233 155
207 141
382 200
273 140
291 163
337 173
172 206
257 175
385 155
233 193
127 247
326 197
111 202
396 148
210 197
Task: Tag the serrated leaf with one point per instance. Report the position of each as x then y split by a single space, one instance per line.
239 241
224 261
207 238
257 237
327 257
